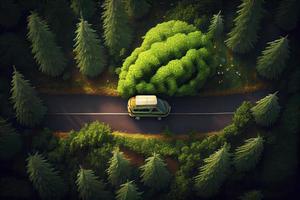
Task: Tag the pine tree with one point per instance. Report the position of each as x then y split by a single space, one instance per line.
213 173
119 168
89 52
85 8
28 107
44 178
10 141
128 191
252 195
246 24
287 15
44 48
155 173
117 32
216 27
137 8
272 62
247 156
266 110
89 186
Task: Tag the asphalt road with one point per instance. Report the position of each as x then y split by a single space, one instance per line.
200 114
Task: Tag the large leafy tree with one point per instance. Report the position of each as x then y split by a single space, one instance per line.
117 32
89 186
44 48
10 141
266 110
119 168
128 191
246 24
216 27
287 15
137 8
44 178
89 52
213 173
247 156
272 62
85 8
28 107
154 173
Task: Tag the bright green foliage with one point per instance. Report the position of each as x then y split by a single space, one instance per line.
46 52
216 27
243 116
89 52
119 168
247 156
266 110
272 62
128 191
44 178
213 173
10 141
89 186
174 59
246 24
137 8
155 173
29 108
287 14
84 8
117 32
252 195
91 136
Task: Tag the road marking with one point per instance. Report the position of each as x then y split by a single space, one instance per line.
93 114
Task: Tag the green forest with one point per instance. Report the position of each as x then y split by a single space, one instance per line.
175 49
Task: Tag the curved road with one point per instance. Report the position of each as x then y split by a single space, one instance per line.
201 114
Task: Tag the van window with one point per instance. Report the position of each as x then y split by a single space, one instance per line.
155 110
141 110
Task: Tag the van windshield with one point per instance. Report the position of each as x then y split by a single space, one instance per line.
161 106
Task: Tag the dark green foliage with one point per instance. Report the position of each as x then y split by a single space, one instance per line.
294 82
119 168
216 27
281 155
44 141
230 131
89 186
89 52
10 141
10 13
247 156
242 116
14 51
252 195
137 8
83 8
174 59
44 178
128 191
154 173
287 14
266 110
12 188
91 136
213 173
181 187
28 107
272 62
244 34
117 31
44 48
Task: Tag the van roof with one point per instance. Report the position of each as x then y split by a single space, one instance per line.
145 100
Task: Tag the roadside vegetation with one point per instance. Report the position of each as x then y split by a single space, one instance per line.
188 48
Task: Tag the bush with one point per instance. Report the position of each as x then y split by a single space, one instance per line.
174 59
242 116
91 136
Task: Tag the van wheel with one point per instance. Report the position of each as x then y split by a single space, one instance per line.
137 118
159 118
